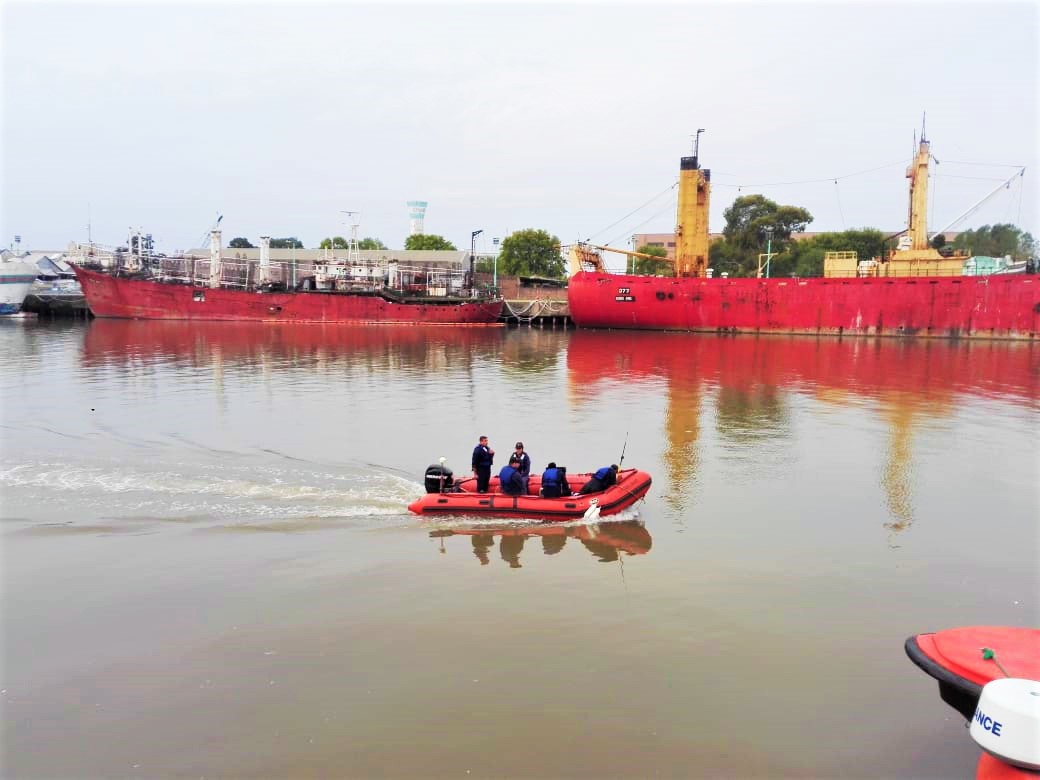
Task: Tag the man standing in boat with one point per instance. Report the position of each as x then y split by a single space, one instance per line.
483 457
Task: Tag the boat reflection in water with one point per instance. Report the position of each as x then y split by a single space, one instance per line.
606 541
266 346
752 383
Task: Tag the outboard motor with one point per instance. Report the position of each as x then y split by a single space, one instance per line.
439 479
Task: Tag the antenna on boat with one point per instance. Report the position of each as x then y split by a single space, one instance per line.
353 251
621 460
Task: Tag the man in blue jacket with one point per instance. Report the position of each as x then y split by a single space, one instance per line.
509 478
553 482
601 480
483 457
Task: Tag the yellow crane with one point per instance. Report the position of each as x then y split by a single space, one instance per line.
586 257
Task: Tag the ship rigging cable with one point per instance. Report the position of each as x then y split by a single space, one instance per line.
629 214
804 181
670 206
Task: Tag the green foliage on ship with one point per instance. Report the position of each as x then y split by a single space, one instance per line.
648 267
997 241
427 241
338 242
241 243
531 252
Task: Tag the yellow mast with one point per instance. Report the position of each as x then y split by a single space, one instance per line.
691 231
914 256
917 173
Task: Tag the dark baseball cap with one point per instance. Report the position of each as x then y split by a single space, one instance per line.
519 445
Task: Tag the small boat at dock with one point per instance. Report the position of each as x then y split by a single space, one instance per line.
16 279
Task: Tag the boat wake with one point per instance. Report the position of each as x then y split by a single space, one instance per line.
240 495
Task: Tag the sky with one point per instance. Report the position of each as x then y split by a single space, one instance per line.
570 118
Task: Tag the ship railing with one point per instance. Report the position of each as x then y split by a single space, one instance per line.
887 273
414 280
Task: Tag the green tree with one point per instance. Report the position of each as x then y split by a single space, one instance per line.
531 252
427 241
371 243
336 242
644 265
286 243
997 241
744 236
750 215
241 243
805 258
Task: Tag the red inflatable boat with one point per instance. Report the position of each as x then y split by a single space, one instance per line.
964 660
959 660
460 497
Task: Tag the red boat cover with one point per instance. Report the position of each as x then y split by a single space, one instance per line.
959 650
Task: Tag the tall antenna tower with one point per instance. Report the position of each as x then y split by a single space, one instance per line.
416 214
353 250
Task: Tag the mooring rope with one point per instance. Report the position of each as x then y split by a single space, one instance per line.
536 308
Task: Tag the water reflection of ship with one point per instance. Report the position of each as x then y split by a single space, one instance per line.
606 541
909 382
118 342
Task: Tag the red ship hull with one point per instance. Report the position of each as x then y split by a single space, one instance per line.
999 306
120 297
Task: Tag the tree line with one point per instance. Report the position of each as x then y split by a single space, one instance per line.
529 252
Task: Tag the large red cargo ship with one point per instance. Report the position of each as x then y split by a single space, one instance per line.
139 286
913 291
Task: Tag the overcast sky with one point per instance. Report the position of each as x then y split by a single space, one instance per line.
503 116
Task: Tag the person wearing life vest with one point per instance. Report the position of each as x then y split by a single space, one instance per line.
509 478
553 482
601 480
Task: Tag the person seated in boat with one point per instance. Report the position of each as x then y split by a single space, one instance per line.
554 482
601 480
509 478
525 464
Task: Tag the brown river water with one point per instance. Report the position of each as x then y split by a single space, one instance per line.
209 570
